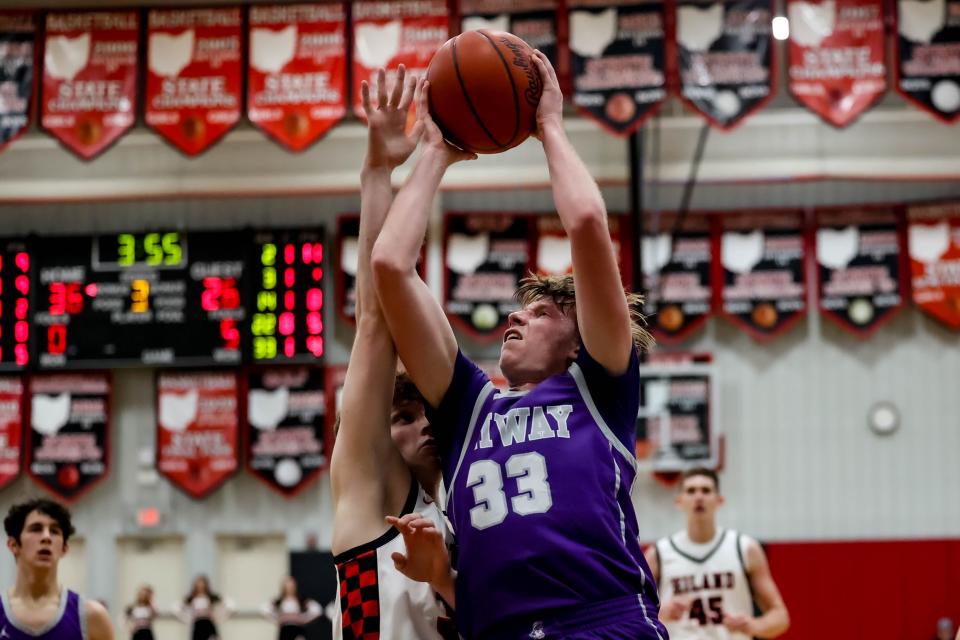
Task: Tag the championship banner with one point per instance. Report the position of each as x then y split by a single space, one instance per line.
861 270
11 428
90 78
677 269
759 262
836 57
68 444
676 424
552 248
297 72
934 243
534 21
17 73
928 55
286 427
617 60
198 429
485 255
194 75
388 33
348 238
725 57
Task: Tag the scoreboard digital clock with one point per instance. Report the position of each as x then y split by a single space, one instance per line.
158 298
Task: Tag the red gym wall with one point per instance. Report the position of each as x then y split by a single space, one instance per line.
889 590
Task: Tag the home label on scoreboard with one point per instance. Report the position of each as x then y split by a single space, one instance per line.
158 298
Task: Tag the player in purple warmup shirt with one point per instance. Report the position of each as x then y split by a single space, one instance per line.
538 476
38 608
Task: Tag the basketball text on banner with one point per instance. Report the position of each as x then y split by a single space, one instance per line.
835 58
759 267
677 276
297 71
286 436
68 444
388 33
198 429
11 428
17 73
617 60
928 55
485 256
194 75
90 66
861 274
934 241
725 57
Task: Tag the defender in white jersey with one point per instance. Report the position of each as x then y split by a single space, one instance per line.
385 461
709 578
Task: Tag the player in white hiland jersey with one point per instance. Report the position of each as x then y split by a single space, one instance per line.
710 578
384 462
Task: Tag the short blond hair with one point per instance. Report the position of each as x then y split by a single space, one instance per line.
561 290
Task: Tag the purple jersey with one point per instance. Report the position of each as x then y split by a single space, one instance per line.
539 496
68 624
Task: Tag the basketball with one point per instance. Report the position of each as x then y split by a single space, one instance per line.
484 91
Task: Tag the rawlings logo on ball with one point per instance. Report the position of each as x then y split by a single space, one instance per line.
522 60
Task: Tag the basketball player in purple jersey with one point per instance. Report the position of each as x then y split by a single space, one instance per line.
538 476
37 607
385 462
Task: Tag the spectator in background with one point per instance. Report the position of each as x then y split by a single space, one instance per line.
202 609
945 629
140 615
291 612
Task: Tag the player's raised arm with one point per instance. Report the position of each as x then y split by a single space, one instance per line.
602 313
366 463
420 329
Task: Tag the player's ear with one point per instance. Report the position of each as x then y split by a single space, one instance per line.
721 500
13 545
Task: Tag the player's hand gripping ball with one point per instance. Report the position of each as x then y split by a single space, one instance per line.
484 91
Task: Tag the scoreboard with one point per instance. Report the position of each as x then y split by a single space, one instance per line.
287 312
163 298
15 287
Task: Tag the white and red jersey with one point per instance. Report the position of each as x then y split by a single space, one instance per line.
713 575
376 600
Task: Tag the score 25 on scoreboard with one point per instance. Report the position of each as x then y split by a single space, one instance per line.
176 298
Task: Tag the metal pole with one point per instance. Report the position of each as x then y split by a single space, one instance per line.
635 153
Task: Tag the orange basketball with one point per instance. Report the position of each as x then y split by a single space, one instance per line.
484 91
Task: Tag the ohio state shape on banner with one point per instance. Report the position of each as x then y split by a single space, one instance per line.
286 427
677 264
194 75
760 271
90 67
935 260
861 267
68 444
835 58
725 57
535 21
387 33
617 60
198 429
297 71
11 428
485 255
552 247
17 73
928 55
